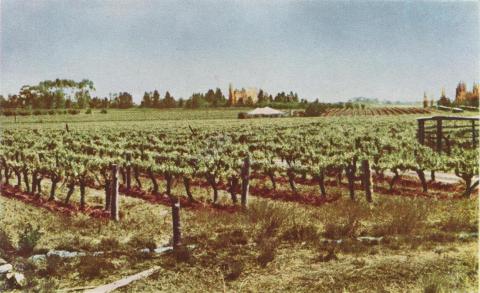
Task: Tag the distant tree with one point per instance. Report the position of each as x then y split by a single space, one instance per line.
168 101
444 101
249 102
210 97
315 109
146 101
219 98
197 100
68 103
123 100
181 103
261 97
156 99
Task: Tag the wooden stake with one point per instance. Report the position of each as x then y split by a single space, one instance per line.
245 181
114 196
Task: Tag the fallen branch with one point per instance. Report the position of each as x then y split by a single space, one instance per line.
123 282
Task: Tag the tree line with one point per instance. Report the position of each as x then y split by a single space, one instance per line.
70 94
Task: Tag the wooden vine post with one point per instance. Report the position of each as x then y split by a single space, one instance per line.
177 231
245 174
128 157
367 180
114 198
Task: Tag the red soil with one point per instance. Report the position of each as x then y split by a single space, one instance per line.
54 205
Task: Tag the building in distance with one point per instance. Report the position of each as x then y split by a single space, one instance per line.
243 96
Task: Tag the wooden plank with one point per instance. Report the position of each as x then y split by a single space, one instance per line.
123 282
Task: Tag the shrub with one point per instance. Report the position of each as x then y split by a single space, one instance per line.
8 112
24 113
89 111
315 109
93 266
28 239
182 254
301 232
326 253
109 244
103 111
73 111
140 242
232 269
6 245
51 112
242 115
37 112
268 250
347 223
459 222
61 111
54 263
404 217
236 237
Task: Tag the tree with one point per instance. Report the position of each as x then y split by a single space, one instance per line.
315 109
219 99
156 99
444 101
124 100
146 101
197 100
168 101
210 97
261 97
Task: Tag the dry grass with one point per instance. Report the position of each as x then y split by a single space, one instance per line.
274 246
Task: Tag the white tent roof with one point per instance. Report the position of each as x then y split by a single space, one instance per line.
265 111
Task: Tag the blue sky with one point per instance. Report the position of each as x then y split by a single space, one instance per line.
327 50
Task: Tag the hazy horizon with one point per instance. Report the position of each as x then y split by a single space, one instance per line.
328 50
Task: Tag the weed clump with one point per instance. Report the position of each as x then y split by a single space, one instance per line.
301 232
268 250
404 217
28 239
6 245
227 239
109 244
140 242
90 267
347 223
182 254
232 269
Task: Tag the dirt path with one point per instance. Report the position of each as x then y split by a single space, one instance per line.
448 178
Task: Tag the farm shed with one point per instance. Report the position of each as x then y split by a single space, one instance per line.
265 112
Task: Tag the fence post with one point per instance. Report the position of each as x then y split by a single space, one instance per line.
421 131
439 135
473 134
114 200
245 181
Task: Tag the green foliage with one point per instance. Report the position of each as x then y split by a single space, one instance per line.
28 239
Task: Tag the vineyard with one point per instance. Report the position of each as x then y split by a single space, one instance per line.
227 165
375 111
